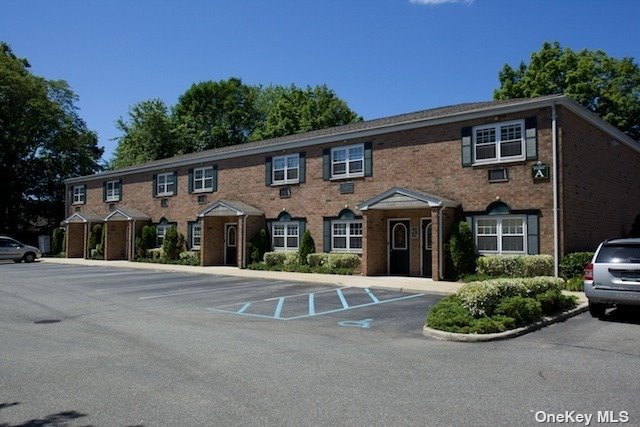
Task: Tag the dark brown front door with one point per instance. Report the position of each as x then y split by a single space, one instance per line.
399 247
230 244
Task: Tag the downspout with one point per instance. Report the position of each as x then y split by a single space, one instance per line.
554 143
440 239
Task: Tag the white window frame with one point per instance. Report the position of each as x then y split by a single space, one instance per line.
348 235
79 195
112 195
164 228
286 169
348 173
202 180
498 158
287 233
165 185
196 226
499 234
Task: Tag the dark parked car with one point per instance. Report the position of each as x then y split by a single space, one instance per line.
613 276
12 249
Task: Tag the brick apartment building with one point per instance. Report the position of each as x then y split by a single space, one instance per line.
540 175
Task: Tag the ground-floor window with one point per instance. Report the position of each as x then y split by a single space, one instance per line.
346 236
285 236
161 231
501 235
196 235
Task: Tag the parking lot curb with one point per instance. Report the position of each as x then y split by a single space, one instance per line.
512 333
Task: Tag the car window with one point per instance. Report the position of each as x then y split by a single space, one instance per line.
4 243
619 253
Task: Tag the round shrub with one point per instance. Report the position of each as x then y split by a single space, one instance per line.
573 264
575 284
554 301
449 315
523 310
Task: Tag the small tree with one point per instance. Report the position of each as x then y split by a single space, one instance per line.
635 227
260 245
170 245
57 241
95 236
146 241
307 246
462 249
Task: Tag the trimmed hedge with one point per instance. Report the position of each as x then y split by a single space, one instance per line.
316 263
449 315
573 264
523 310
274 258
515 265
575 284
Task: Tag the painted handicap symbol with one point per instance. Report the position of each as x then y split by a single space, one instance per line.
365 323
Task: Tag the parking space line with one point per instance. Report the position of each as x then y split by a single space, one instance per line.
312 305
216 288
244 307
343 301
356 306
279 308
371 295
208 281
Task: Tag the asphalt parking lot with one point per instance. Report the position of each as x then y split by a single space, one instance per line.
103 346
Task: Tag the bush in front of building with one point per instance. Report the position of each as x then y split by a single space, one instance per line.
307 246
95 236
573 264
57 241
172 244
323 263
259 246
342 261
497 305
462 249
515 265
155 253
274 258
316 260
575 284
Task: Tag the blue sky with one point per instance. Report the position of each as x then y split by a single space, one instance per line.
383 57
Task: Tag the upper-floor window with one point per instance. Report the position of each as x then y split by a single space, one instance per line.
501 235
499 142
285 236
79 194
347 161
113 191
166 184
346 235
286 169
203 179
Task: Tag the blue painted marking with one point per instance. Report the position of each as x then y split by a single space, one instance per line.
244 307
276 315
342 300
312 305
371 295
365 323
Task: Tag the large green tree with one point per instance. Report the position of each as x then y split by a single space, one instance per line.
147 135
43 141
609 87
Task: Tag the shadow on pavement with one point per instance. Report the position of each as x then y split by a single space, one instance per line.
626 314
59 419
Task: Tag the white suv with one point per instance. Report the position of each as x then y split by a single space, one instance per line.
12 249
613 276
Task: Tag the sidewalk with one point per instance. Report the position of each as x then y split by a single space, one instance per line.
405 284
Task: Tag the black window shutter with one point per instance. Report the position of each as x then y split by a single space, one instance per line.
175 183
368 161
190 180
190 234
120 189
267 172
215 178
269 234
326 235
154 188
104 191
533 237
326 164
467 148
530 124
302 164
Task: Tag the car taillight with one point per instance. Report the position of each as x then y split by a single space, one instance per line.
588 272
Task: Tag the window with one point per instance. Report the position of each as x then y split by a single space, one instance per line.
166 184
346 236
347 161
196 234
203 179
501 235
113 191
286 169
79 194
499 142
399 237
161 231
285 236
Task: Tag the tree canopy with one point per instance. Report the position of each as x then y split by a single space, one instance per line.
607 86
43 141
217 114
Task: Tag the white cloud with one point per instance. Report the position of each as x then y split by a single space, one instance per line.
437 2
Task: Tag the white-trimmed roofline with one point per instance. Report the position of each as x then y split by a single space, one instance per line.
429 199
483 111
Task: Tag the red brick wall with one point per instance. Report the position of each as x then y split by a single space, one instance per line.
601 185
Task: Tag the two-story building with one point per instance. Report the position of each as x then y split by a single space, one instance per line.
539 175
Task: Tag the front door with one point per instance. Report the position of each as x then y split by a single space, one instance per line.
426 248
230 244
399 247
